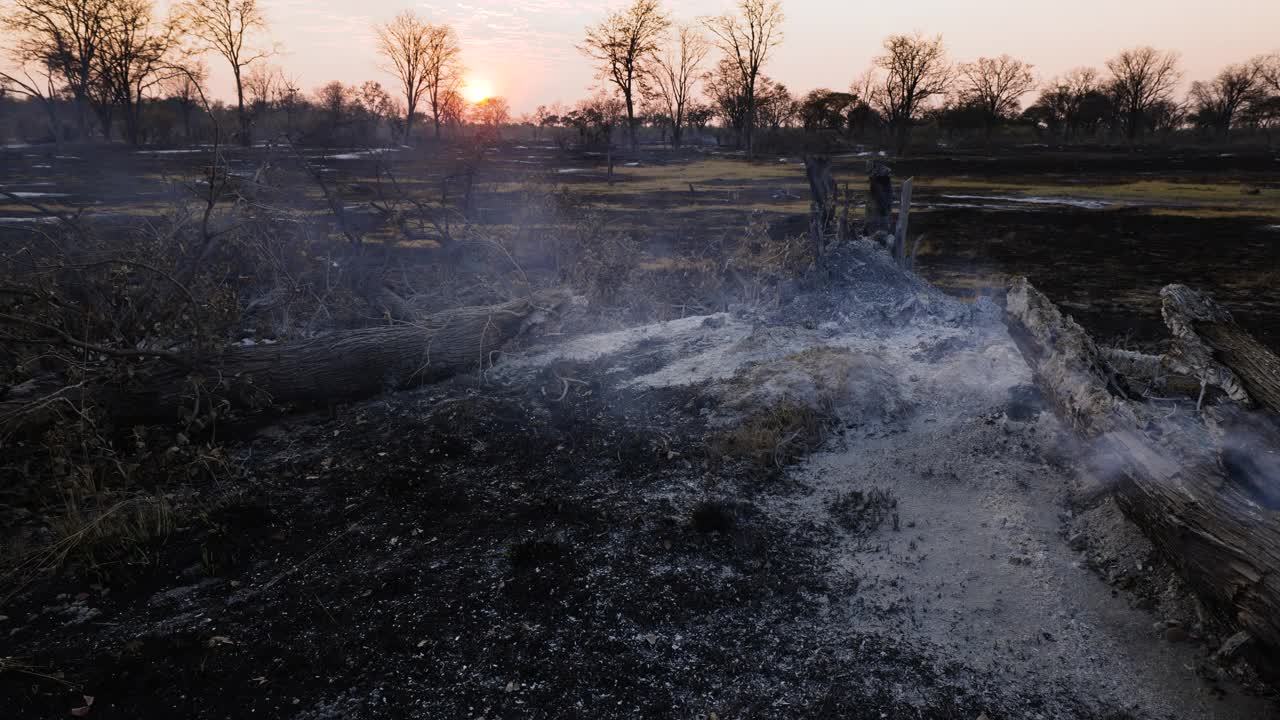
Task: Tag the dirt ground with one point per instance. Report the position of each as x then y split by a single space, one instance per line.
566 536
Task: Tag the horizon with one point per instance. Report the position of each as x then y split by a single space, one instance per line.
527 53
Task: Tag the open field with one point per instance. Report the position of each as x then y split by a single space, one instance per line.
1100 231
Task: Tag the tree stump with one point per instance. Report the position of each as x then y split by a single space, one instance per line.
879 198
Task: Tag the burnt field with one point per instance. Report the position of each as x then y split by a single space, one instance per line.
717 483
1101 231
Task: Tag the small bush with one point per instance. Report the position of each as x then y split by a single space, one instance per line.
862 513
773 437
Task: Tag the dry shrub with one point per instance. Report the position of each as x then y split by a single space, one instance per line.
858 387
772 437
595 258
862 513
759 255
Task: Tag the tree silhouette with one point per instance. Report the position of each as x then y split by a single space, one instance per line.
426 59
223 26
622 45
747 39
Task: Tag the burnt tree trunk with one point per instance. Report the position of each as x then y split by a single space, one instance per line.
325 370
879 198
1203 486
822 187
1207 340
823 207
339 367
900 233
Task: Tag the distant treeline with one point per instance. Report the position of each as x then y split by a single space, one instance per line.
80 70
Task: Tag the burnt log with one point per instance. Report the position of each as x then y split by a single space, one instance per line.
1209 344
1202 484
322 371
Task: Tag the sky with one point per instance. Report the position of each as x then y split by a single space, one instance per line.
525 49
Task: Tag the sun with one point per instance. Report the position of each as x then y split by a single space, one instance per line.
477 89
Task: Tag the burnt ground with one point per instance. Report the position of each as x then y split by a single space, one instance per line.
559 540
507 547
459 552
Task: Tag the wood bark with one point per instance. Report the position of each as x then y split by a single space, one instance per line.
822 187
879 198
1211 345
900 234
1204 486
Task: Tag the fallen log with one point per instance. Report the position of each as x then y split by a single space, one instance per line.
1204 486
328 369
1210 342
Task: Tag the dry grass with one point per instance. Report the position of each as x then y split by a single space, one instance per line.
1167 197
775 436
862 513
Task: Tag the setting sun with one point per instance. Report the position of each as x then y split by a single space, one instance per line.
477 89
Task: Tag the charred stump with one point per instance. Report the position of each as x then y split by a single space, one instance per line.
879 198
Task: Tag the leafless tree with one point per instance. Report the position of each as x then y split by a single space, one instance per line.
426 59
133 59
1268 69
1221 101
747 39
59 38
224 27
622 45
915 70
1065 102
333 99
185 86
673 74
37 80
996 85
493 111
453 107
261 89
1143 79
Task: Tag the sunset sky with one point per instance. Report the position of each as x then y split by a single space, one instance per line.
524 49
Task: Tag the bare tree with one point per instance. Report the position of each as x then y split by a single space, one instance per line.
747 40
1268 69
260 86
57 37
133 58
622 44
996 85
1142 79
1221 101
38 81
425 58
185 87
1073 102
493 111
224 26
453 108
915 70
674 73
261 89
333 100
444 71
